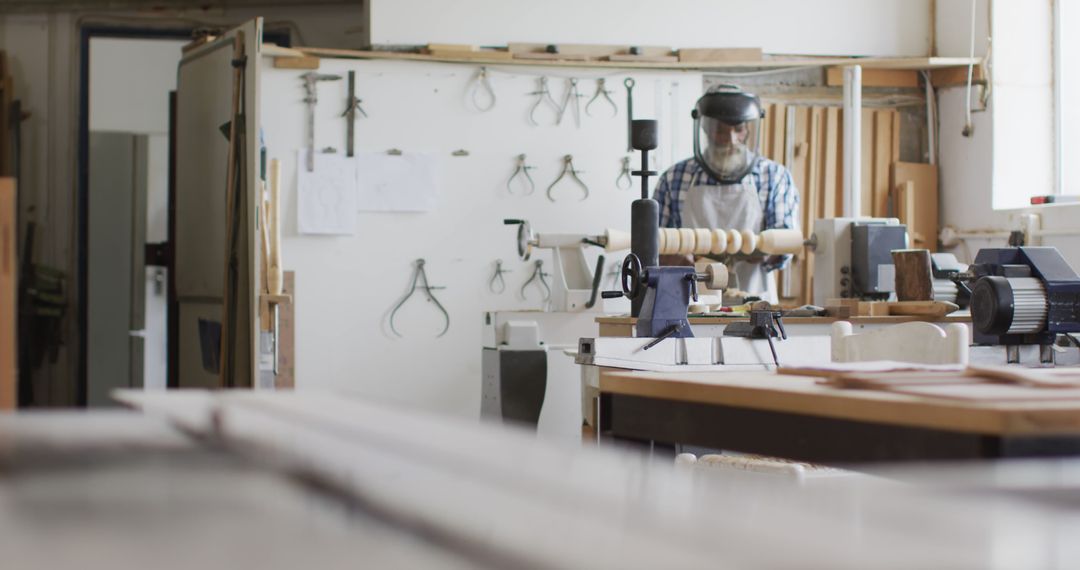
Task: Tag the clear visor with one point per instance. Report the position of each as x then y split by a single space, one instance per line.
729 150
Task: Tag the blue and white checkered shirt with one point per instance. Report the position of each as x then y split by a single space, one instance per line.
776 190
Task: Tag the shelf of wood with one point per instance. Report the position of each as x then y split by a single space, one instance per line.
777 62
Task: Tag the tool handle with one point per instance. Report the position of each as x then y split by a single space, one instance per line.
512 222
611 294
598 276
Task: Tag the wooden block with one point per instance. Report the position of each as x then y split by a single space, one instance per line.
924 201
286 376
922 308
914 277
553 56
643 58
849 303
896 78
473 55
873 309
838 312
306 62
451 47
9 265
712 55
956 76
274 50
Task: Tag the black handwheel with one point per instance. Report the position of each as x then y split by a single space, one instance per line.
630 276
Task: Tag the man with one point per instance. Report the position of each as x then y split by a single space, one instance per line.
728 185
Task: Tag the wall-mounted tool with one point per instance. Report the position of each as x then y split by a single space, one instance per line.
629 84
623 181
572 97
311 80
602 92
420 274
568 168
479 89
543 96
352 107
522 169
497 284
540 276
576 285
1023 296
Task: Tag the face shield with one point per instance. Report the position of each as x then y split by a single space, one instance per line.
727 126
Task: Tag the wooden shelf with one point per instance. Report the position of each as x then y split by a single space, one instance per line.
777 62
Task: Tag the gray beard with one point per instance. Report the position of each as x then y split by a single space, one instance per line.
728 160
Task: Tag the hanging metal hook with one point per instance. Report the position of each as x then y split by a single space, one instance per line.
480 82
497 278
538 274
419 274
572 96
522 169
624 175
568 166
602 91
543 95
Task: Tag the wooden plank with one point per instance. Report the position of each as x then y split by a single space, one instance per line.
956 76
866 198
779 126
925 198
811 202
905 209
486 54
832 157
286 376
883 151
590 51
306 62
629 58
932 309
896 78
9 266
720 54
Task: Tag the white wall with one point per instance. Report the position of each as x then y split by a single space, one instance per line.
825 27
347 285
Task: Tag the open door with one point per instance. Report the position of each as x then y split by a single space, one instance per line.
217 171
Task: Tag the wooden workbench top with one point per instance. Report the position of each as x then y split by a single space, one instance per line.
804 395
720 320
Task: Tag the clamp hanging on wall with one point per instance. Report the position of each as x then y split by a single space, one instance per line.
602 91
624 174
568 167
478 88
497 284
543 96
539 275
419 274
522 170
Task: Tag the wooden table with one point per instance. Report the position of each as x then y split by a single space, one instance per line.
714 325
795 417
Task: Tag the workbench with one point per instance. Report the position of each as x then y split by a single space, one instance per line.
710 326
797 417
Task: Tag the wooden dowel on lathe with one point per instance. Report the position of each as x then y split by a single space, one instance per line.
914 278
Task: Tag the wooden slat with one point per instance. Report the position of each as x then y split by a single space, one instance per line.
831 184
286 376
720 54
924 228
896 78
866 198
9 266
779 126
883 151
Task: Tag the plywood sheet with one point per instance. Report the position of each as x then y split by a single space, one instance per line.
924 202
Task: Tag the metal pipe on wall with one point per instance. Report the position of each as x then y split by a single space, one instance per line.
852 141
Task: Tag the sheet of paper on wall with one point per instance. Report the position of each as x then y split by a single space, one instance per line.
406 182
326 197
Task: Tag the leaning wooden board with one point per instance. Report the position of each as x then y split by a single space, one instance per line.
8 298
806 396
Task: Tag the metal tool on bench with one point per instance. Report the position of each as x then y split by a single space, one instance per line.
1023 296
311 80
853 257
352 107
946 271
575 285
418 274
765 323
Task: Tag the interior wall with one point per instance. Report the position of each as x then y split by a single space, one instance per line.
347 285
821 27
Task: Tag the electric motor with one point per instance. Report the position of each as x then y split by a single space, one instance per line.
1009 305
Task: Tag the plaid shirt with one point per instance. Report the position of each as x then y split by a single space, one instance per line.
776 190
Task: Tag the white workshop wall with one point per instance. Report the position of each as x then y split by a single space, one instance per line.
346 285
822 27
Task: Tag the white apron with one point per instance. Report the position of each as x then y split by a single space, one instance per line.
731 207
